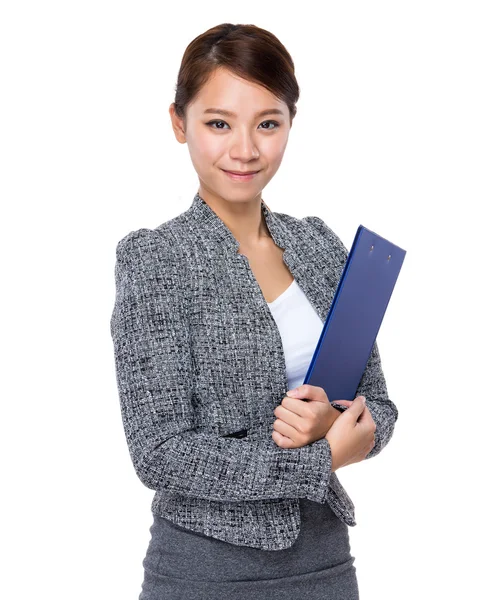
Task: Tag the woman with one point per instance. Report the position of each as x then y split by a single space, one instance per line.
216 317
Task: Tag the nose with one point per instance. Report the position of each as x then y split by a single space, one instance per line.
243 148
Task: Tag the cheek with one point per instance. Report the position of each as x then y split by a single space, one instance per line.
274 147
274 151
209 145
204 148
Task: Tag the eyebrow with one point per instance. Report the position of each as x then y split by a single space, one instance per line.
228 113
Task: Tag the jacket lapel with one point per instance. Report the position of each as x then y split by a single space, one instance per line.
305 263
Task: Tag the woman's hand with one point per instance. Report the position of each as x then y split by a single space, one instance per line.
300 423
352 435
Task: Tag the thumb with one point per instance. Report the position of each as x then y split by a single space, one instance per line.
357 406
308 392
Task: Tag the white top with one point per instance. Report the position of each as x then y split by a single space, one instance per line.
300 327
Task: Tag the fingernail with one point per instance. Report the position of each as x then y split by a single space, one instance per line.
293 392
364 399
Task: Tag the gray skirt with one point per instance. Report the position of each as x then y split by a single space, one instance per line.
184 565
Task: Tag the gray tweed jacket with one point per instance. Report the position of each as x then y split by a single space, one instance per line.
200 369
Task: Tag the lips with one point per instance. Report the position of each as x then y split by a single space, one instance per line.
240 172
241 177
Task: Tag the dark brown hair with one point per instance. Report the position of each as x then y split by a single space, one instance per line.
249 52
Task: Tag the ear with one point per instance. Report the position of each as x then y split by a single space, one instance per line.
178 125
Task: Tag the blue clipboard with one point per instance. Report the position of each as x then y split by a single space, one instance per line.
357 310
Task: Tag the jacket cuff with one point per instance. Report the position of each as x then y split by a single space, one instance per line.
317 470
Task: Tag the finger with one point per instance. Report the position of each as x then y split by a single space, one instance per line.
366 418
283 441
294 406
356 408
308 392
287 429
304 391
345 402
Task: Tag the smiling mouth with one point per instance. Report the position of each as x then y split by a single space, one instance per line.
241 173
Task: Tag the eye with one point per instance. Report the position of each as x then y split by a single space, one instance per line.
215 122
273 122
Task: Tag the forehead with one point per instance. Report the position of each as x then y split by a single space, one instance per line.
226 90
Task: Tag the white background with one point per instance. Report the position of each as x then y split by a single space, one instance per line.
399 128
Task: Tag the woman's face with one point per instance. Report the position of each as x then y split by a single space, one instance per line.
242 141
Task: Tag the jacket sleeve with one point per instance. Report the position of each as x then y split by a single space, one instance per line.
372 385
154 373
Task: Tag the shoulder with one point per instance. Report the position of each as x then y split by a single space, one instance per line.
316 228
135 242
147 244
150 260
325 232
154 259
326 236
138 249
